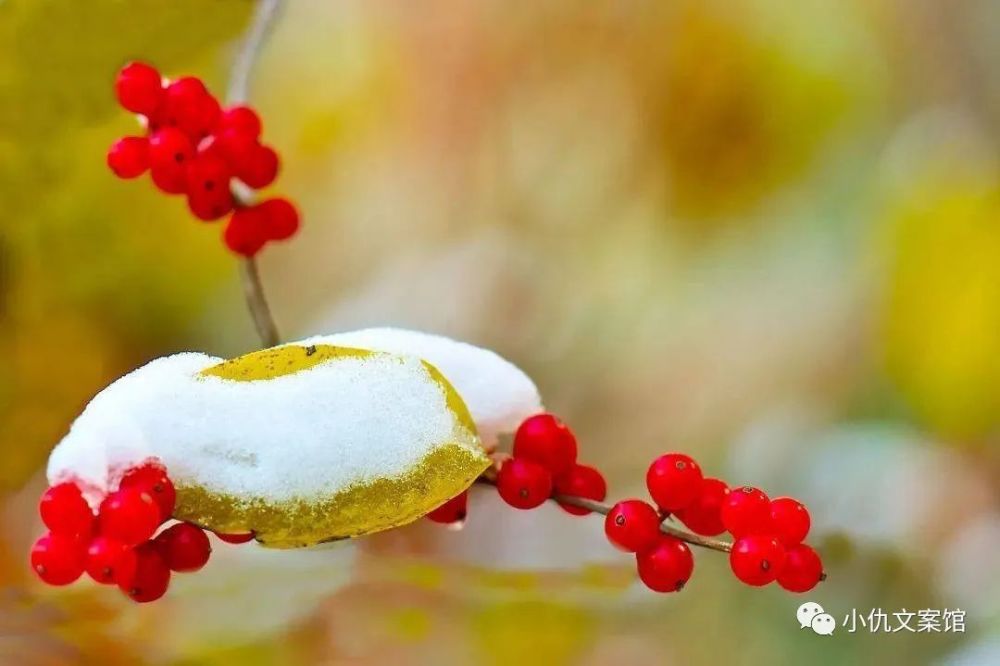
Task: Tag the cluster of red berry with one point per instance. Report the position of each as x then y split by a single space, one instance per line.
768 533
117 546
543 464
120 545
195 147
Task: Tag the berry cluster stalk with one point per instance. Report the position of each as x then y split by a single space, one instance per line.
489 478
253 291
238 92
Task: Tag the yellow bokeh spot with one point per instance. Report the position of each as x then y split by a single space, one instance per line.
941 331
532 632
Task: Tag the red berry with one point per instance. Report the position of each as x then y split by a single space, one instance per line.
704 515
666 566
170 150
182 92
452 511
209 197
235 538
185 547
581 481
189 107
240 119
128 157
547 441
632 525
209 147
757 559
746 510
524 484
237 148
168 178
199 119
245 233
153 479
260 168
281 219
65 512
673 481
789 520
151 577
169 147
208 173
803 569
58 559
129 515
139 88
109 561
209 207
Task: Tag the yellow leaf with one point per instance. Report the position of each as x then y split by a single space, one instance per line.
299 444
369 506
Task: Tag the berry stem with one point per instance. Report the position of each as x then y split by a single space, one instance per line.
253 291
489 477
238 91
239 77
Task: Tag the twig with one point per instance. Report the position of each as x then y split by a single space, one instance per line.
239 77
253 291
238 91
489 477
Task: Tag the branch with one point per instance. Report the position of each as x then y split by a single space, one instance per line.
253 291
489 478
239 77
238 92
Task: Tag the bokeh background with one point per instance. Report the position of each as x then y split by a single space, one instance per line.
765 233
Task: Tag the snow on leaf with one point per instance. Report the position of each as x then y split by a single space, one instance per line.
499 395
301 443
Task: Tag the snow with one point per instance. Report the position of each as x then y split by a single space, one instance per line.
300 435
499 395
331 437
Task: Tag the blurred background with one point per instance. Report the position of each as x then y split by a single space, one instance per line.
764 233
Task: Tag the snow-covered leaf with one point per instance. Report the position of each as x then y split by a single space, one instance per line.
301 443
499 395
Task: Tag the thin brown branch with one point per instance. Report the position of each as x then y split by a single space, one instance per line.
489 478
253 291
238 91
239 77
